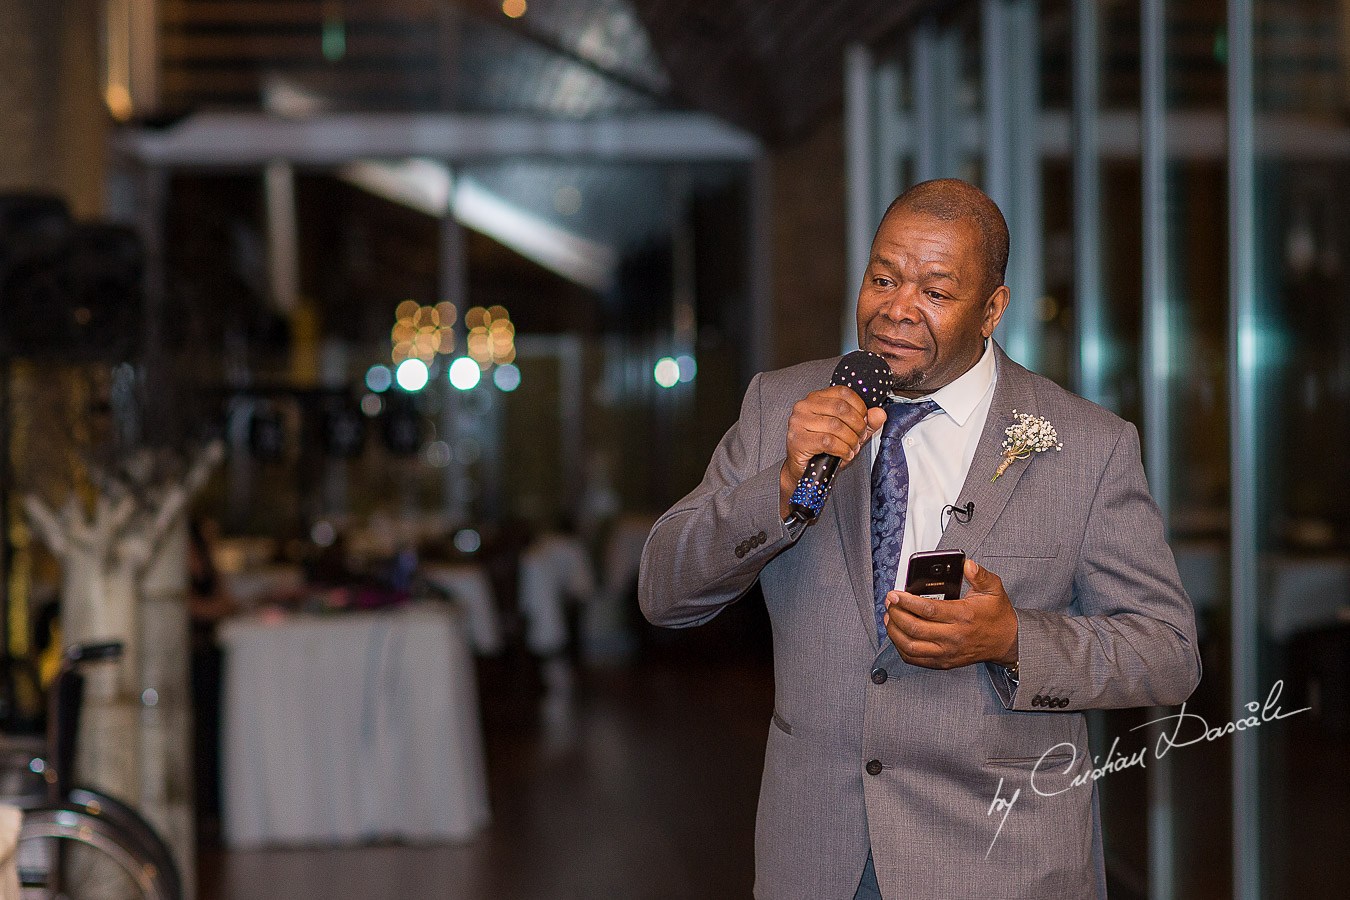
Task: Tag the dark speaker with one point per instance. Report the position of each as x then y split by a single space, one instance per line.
28 220
70 292
344 428
267 435
401 425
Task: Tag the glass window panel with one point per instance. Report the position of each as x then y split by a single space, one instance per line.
1303 244
1194 369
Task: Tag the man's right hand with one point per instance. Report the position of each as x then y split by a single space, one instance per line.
833 421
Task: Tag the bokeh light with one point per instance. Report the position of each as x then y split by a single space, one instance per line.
688 367
323 533
514 8
492 336
437 454
379 379
666 372
412 375
371 404
465 373
421 332
467 540
506 377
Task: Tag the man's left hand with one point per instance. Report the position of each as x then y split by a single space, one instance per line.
945 634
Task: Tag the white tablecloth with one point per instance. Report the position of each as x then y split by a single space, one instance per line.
351 728
472 590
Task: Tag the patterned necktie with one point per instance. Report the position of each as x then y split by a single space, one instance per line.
890 500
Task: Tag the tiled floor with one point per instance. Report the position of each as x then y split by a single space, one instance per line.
642 786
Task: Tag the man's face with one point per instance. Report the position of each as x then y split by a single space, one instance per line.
922 304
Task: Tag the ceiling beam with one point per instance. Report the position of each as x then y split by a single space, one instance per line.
241 139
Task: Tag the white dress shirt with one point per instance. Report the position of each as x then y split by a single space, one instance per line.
938 451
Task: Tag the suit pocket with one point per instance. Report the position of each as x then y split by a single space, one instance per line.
1048 762
782 723
1015 549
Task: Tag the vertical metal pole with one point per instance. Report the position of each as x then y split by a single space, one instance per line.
1027 268
760 270
158 393
283 243
1157 303
572 460
1245 477
923 53
1012 161
949 148
887 117
1157 371
684 266
859 115
994 75
1089 304
453 288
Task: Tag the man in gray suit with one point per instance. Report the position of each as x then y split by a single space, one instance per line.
925 748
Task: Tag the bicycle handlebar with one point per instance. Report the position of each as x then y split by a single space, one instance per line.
82 653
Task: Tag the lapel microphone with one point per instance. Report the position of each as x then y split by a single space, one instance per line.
869 376
962 514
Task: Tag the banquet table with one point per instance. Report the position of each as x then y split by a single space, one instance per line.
472 590
351 727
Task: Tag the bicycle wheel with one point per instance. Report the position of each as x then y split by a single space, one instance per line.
136 832
67 854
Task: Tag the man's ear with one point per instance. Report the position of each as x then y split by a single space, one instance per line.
994 308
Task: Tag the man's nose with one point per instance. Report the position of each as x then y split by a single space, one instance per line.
903 305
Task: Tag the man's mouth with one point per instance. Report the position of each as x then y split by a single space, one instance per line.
896 347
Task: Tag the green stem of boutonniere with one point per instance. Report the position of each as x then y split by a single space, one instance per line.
1008 459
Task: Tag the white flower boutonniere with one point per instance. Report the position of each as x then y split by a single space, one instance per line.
1029 434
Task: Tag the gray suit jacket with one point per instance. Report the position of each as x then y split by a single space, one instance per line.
1102 622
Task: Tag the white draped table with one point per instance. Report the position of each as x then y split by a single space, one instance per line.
349 728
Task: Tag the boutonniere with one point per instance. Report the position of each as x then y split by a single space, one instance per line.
1029 434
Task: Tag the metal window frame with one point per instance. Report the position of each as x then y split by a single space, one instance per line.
1243 367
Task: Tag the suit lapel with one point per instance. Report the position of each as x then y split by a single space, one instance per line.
852 507
1013 391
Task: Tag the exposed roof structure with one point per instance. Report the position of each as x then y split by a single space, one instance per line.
772 67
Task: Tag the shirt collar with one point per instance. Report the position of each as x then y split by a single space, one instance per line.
959 398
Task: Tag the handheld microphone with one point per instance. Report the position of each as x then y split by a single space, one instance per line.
869 376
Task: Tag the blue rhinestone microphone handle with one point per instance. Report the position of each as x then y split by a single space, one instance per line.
869 376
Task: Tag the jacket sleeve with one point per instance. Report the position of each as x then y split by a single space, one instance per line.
1135 642
710 547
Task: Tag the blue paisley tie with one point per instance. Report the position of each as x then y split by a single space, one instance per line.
890 499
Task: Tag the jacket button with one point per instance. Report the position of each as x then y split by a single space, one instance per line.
740 550
1063 702
763 537
1036 701
874 767
879 675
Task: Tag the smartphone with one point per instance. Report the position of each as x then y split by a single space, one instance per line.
936 574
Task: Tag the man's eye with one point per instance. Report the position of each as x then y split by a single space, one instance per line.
881 281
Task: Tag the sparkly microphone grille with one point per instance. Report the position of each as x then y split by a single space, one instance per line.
867 375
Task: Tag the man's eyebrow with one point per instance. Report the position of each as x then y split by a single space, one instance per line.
930 273
941 273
